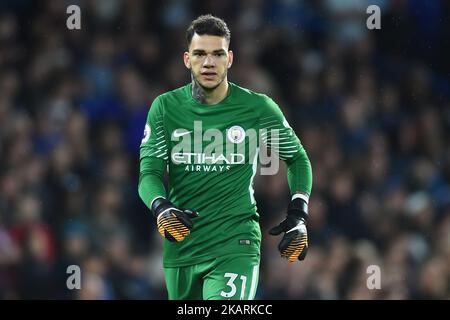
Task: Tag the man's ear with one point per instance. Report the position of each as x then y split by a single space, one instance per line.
230 58
187 63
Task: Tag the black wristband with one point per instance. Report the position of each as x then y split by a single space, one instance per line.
298 208
157 204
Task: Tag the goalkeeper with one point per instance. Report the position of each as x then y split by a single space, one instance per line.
201 134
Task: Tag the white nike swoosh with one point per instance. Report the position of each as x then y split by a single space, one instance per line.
177 134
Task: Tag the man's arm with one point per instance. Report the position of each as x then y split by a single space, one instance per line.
151 176
153 156
173 223
299 176
282 140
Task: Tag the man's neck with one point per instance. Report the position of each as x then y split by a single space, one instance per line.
209 96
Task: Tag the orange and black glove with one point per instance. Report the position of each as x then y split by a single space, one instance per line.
173 223
294 244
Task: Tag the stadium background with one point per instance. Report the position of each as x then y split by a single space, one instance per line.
372 109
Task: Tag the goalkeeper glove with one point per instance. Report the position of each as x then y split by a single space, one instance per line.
294 244
173 223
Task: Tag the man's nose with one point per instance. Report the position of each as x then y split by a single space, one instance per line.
209 61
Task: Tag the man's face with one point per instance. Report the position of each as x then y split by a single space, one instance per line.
208 59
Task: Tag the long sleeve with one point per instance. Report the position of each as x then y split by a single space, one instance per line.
299 173
153 156
151 184
281 139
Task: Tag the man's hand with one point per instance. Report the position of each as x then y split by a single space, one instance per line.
294 244
173 223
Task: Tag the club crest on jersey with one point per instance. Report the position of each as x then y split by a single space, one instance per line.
146 134
236 134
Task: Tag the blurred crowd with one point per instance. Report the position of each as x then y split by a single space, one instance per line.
371 107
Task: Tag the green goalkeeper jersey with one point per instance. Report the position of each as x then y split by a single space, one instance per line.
211 154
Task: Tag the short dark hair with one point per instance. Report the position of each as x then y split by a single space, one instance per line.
209 25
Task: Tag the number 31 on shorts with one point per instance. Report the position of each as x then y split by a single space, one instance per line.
232 284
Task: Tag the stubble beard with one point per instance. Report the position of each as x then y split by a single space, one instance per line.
208 89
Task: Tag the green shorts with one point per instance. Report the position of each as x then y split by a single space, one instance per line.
230 277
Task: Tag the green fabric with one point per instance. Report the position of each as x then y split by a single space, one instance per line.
299 174
230 277
151 179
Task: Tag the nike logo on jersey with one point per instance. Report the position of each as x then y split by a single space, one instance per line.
178 134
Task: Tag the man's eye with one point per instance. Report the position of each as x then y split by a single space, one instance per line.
219 54
199 54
